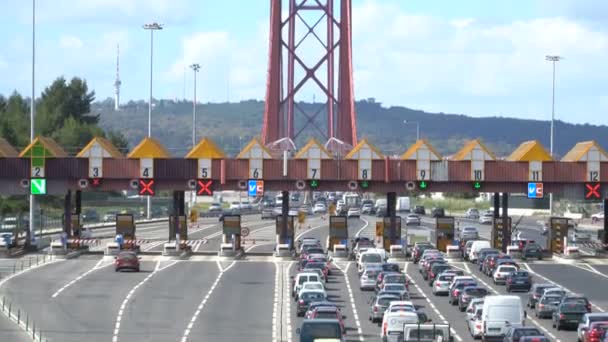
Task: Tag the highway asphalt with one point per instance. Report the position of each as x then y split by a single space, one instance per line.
204 299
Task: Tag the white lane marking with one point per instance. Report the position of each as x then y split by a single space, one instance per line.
80 277
535 322
352 301
589 268
598 308
125 301
308 231
430 303
205 299
287 302
362 228
275 307
51 261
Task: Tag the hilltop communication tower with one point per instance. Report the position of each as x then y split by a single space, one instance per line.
117 82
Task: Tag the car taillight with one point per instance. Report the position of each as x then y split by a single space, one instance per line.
478 325
455 293
562 316
437 284
375 308
588 307
384 328
541 306
509 280
535 339
594 335
301 301
431 275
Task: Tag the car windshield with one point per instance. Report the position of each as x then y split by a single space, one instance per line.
315 331
573 308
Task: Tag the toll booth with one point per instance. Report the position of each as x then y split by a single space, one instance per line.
444 232
231 229
183 227
338 231
125 225
386 233
558 231
288 239
501 235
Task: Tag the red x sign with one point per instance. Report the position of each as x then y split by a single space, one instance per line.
146 187
95 182
592 191
204 187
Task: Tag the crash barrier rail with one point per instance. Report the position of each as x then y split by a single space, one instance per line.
594 247
15 314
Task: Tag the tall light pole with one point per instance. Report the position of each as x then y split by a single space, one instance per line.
552 59
151 27
32 114
196 67
417 127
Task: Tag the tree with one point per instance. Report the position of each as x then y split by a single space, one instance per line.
118 140
14 121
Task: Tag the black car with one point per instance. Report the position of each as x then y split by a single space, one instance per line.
532 251
568 315
419 249
419 209
306 298
576 298
518 280
483 254
518 334
435 270
438 212
391 267
468 293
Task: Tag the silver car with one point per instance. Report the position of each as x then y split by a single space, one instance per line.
412 219
546 305
469 233
441 285
378 306
368 279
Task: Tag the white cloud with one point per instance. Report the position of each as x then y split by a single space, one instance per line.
204 48
70 42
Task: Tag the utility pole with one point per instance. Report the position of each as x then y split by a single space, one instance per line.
32 116
553 59
195 67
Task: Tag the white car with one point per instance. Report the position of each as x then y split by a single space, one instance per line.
367 209
441 285
412 219
393 322
312 285
472 213
595 218
319 208
246 205
501 273
235 206
215 207
469 233
354 212
474 322
486 218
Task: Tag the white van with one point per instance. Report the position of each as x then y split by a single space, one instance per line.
476 247
499 314
371 256
302 278
393 322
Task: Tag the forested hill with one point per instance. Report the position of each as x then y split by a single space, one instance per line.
233 124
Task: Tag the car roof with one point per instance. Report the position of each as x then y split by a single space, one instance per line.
402 302
327 309
321 321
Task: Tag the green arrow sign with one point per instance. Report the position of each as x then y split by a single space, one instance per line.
38 186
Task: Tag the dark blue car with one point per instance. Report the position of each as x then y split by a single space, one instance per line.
519 280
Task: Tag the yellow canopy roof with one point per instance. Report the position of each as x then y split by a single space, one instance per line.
51 148
205 148
465 152
528 151
310 144
244 154
417 146
109 148
362 144
149 148
6 150
580 150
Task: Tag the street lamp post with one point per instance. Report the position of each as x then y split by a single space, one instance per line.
196 67
553 59
417 127
32 114
151 27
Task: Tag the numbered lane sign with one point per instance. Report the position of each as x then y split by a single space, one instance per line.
37 172
95 168
314 169
535 173
255 168
204 169
365 169
146 168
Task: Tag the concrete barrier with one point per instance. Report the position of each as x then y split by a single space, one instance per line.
572 252
396 252
340 251
453 252
112 248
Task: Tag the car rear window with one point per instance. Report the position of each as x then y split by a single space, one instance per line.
526 332
549 299
394 279
422 334
541 289
325 315
127 256
598 318
372 257
312 331
446 278
395 287
385 301
312 296
476 291
318 265
573 307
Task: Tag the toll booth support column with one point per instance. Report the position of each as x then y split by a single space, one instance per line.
284 217
506 228
175 217
67 213
78 209
605 239
496 205
391 201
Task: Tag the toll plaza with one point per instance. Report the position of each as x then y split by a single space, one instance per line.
444 232
231 238
501 233
285 233
338 233
178 235
558 234
391 237
125 228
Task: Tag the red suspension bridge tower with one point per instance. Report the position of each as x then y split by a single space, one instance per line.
301 73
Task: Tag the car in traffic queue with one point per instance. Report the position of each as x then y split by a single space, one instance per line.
518 280
393 288
412 220
532 251
301 278
426 270
568 315
484 253
474 322
314 305
328 312
396 278
468 293
596 332
577 298
427 332
457 288
501 260
419 249
469 233
215 207
441 285
524 333
312 285
501 273
437 212
391 267
380 277
536 292
306 297
476 247
435 270
320 330
367 281
587 320
486 218
353 212
318 265
379 304
472 213
367 209
392 324
546 305
126 261
319 208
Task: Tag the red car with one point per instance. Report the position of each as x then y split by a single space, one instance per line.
328 312
126 261
595 332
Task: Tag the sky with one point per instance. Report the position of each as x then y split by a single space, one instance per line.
473 57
